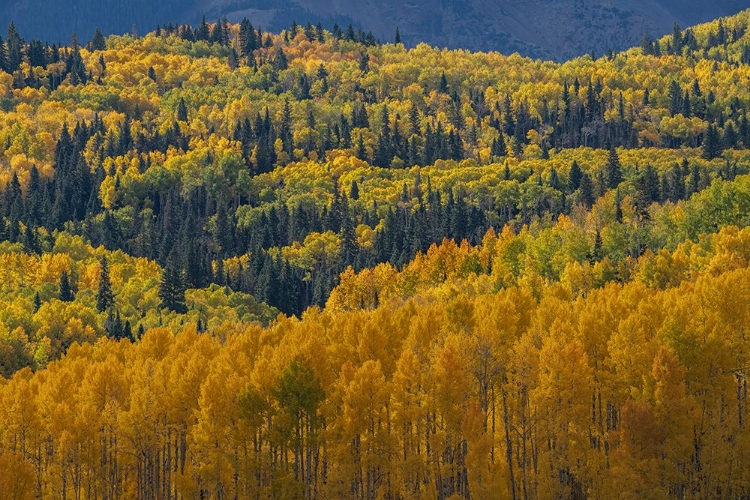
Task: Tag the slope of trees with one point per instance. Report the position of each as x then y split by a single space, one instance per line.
236 264
535 390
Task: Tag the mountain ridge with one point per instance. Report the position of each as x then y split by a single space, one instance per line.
545 29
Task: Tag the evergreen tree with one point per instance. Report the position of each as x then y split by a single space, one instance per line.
597 252
574 177
104 297
14 45
3 56
285 132
280 61
127 331
498 147
182 113
171 288
614 170
646 190
586 195
398 37
354 191
113 324
712 147
647 45
98 42
730 137
675 98
247 38
364 62
443 86
30 243
203 31
65 291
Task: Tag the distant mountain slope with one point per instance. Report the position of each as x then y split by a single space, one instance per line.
556 29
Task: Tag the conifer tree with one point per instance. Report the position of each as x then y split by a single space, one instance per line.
597 252
280 61
3 56
127 331
614 170
285 132
712 143
202 32
113 324
171 288
443 86
98 42
182 114
14 46
65 291
498 147
574 177
349 245
586 191
104 297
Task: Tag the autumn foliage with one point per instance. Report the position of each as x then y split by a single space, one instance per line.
236 264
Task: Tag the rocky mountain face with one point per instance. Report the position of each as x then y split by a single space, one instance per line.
550 29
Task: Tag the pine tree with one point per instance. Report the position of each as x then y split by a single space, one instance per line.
30 242
675 98
586 191
648 185
443 86
14 43
597 253
65 291
364 62
730 137
280 61
98 42
202 32
113 324
37 302
127 332
182 114
285 132
247 38
574 177
398 37
3 56
349 247
647 45
171 288
498 147
104 297
614 171
712 143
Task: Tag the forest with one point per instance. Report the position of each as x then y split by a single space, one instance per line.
237 264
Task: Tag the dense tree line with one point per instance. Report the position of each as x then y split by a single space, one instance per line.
534 391
310 265
192 231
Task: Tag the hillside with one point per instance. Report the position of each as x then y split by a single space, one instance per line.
550 29
237 263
